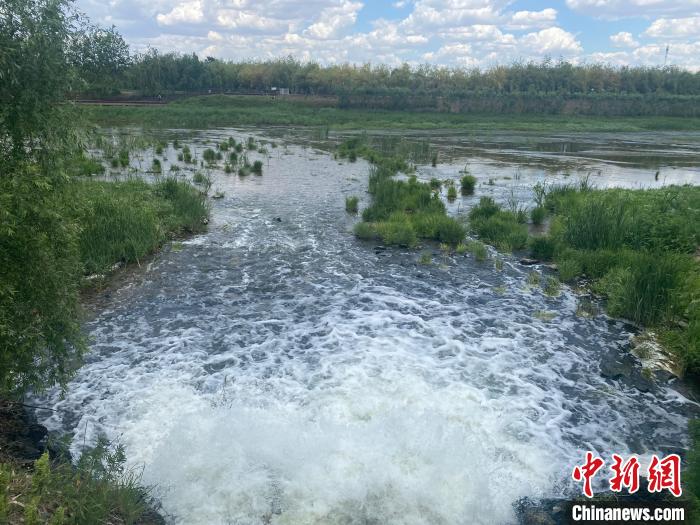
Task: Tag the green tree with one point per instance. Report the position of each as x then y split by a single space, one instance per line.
100 56
40 339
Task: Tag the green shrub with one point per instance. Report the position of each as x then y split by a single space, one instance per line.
351 204
468 183
257 167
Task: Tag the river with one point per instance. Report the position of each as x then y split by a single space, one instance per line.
277 370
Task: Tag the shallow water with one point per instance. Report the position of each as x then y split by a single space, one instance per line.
280 371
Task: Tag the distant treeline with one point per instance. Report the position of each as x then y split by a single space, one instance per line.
544 87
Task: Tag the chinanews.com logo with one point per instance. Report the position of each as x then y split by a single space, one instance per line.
662 476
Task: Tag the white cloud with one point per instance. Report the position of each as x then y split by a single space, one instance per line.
533 19
674 28
186 12
334 19
633 8
552 41
623 39
446 32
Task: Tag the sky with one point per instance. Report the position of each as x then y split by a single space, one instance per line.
456 33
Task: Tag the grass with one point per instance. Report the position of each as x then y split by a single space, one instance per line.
99 489
126 221
468 183
451 193
402 211
497 226
257 167
638 248
351 204
478 250
222 110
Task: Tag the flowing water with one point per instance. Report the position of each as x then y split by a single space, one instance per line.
277 370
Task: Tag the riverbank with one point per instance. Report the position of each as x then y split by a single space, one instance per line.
106 224
39 484
637 249
225 110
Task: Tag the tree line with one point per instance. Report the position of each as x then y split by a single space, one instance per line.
110 68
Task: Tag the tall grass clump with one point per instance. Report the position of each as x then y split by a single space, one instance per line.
401 211
126 221
468 183
257 167
351 204
451 193
497 226
638 247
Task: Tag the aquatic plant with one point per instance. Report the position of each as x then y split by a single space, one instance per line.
542 247
568 269
209 156
365 231
451 193
156 166
351 204
496 226
478 250
537 215
468 183
257 167
425 258
124 158
534 278
435 184
551 286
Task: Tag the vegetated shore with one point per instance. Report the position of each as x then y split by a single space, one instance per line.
234 110
118 224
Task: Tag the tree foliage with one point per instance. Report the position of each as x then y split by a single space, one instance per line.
39 330
154 72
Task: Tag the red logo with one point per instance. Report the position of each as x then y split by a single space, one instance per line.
586 472
663 473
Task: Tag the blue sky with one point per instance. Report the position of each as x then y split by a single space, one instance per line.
456 33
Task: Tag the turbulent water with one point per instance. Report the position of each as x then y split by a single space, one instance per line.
276 370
